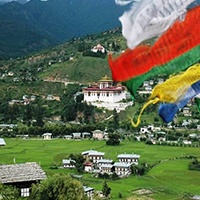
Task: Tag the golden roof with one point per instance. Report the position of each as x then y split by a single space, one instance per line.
106 78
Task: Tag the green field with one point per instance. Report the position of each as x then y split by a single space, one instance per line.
170 179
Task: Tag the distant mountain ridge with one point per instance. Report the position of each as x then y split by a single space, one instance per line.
32 26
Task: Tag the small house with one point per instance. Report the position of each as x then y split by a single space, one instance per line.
47 136
22 176
88 166
93 155
129 158
122 169
106 168
104 162
68 163
68 137
86 135
76 135
88 191
98 134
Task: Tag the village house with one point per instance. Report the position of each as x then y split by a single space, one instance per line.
88 166
129 158
22 176
68 137
106 168
51 97
122 169
86 135
89 192
76 136
98 134
93 155
97 48
186 112
7 127
47 136
104 162
68 163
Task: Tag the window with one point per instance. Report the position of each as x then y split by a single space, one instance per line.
25 192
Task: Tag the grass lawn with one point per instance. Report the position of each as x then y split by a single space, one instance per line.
170 179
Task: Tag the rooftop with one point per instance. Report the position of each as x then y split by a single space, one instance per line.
24 172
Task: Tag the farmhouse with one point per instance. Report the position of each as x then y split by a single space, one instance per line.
88 191
47 136
93 155
104 162
68 163
86 135
88 166
22 176
98 134
106 168
76 135
122 169
129 158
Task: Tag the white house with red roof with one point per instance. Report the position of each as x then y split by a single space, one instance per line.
97 48
105 91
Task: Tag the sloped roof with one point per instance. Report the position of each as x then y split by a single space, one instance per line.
68 161
121 164
128 156
21 173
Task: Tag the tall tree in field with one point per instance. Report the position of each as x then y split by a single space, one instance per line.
115 119
106 189
58 187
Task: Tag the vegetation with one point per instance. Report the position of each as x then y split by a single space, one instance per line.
106 190
38 25
194 165
168 163
9 192
60 187
113 139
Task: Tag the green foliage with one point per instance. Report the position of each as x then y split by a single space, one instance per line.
31 27
60 187
140 169
79 159
8 192
106 189
113 139
194 165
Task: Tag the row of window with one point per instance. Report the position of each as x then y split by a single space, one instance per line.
102 94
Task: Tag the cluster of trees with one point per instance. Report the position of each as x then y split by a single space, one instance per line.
58 186
194 165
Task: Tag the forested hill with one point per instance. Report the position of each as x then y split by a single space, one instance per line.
32 26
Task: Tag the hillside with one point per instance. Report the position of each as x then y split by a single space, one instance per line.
36 25
63 63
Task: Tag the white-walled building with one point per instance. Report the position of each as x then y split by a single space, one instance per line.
105 91
129 158
97 48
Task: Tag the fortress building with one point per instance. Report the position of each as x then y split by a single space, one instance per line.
105 91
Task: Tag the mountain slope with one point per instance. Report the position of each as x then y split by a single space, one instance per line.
39 24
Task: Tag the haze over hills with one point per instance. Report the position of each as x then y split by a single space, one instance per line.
34 25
